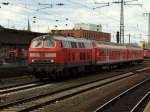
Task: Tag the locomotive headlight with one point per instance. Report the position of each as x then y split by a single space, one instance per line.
52 61
33 60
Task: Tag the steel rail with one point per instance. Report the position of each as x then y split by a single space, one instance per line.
137 107
2 89
22 87
121 94
61 90
37 102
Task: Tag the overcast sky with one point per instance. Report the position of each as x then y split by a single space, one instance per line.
45 15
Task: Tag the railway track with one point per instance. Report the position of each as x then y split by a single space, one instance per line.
37 102
33 84
140 106
21 87
10 82
16 87
133 99
13 84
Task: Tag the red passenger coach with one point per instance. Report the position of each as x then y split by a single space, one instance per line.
135 53
110 53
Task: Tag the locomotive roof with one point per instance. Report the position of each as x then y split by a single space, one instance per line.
62 38
81 40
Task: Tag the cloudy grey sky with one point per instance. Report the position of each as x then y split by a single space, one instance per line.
45 15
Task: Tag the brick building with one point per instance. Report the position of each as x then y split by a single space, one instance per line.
92 35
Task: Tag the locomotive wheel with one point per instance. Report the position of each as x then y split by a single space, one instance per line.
74 72
59 75
41 78
66 73
53 76
38 75
56 76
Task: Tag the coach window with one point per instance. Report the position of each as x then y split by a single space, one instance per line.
83 46
66 44
69 44
87 45
80 45
49 44
74 45
91 45
63 44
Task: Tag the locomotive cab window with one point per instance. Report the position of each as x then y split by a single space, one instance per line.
36 44
49 44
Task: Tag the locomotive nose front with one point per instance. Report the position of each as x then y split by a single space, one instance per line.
41 57
42 54
42 51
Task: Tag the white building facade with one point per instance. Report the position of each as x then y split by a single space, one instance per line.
91 27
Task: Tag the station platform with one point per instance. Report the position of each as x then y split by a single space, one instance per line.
147 109
13 69
12 65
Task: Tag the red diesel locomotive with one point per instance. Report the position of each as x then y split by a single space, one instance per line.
55 56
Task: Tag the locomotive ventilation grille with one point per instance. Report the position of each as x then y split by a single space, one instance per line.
42 54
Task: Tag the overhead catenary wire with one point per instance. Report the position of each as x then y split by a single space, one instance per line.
32 11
